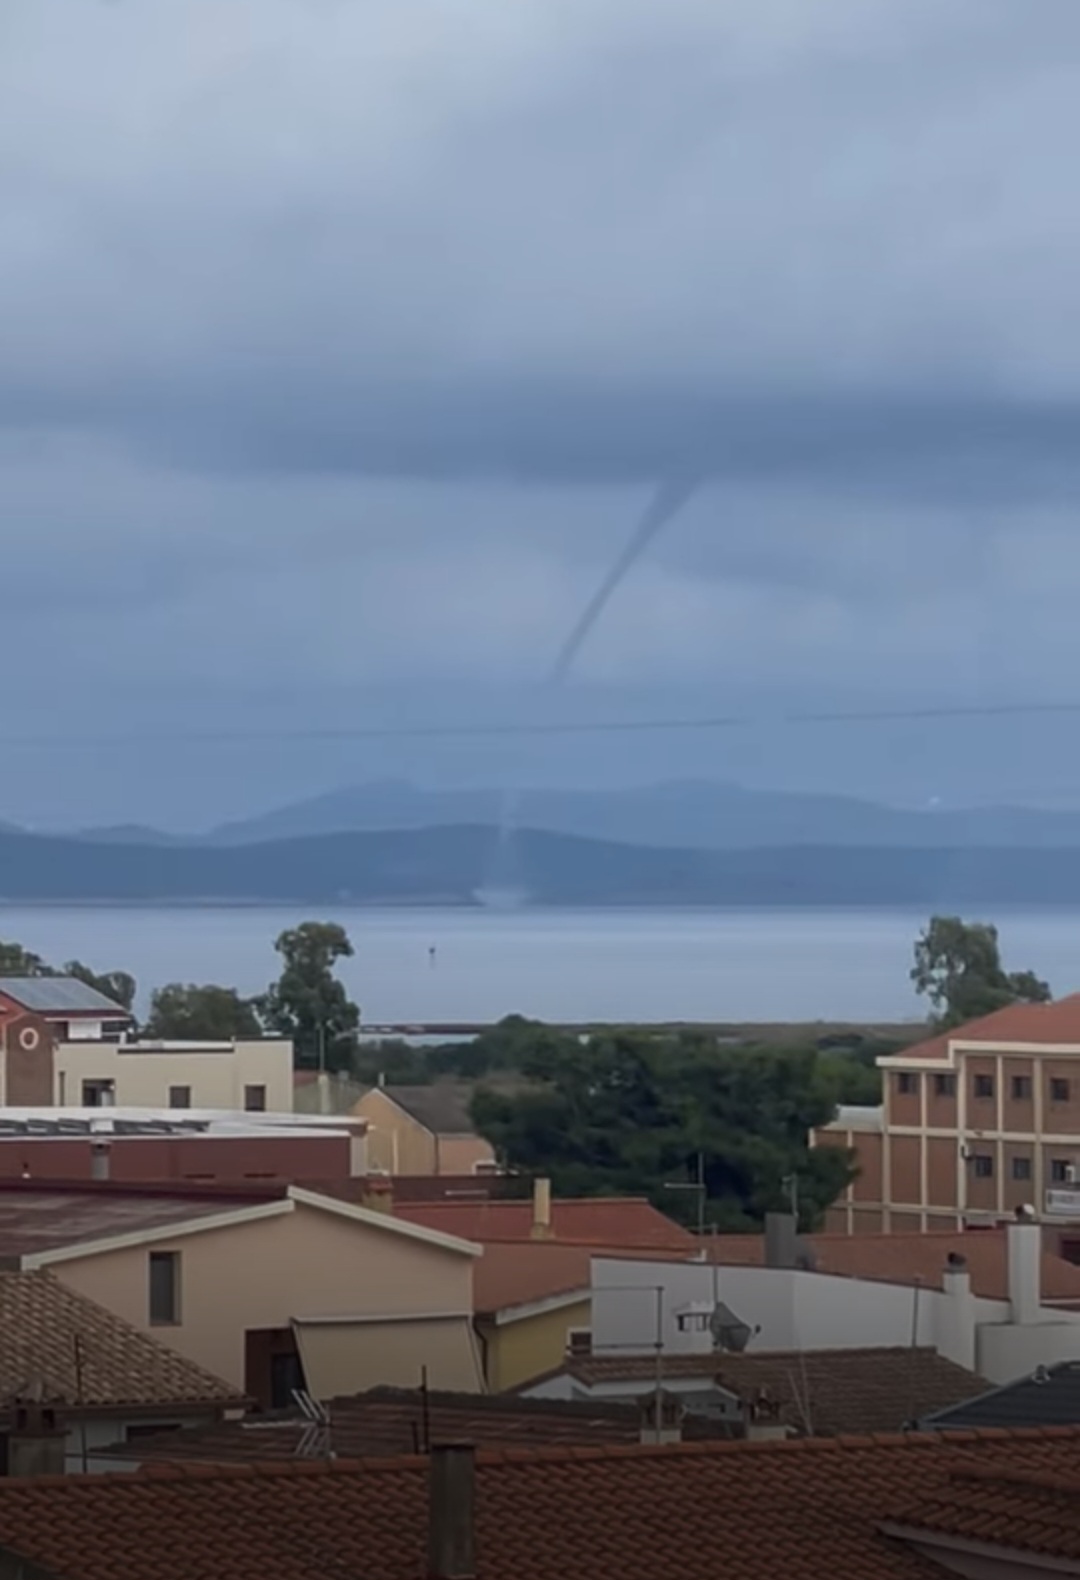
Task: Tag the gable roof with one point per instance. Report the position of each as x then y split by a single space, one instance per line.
514 1273
625 1222
825 1393
83 1355
442 1108
61 996
911 1258
749 1511
1049 1397
388 1421
1055 1023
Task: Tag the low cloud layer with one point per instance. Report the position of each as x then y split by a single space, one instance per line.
342 345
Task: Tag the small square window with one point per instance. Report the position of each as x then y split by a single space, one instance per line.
984 1086
255 1099
905 1083
1021 1088
1021 1168
945 1085
983 1166
1059 1089
164 1272
179 1096
1060 1171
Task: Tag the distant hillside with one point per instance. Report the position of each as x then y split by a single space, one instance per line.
690 814
450 865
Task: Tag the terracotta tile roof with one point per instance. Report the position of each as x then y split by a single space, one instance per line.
40 1321
1027 1513
826 1393
386 1421
749 1511
910 1258
1058 1022
626 1222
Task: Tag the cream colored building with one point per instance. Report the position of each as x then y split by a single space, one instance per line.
295 1290
423 1130
251 1077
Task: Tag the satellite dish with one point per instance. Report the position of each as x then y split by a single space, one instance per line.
729 1332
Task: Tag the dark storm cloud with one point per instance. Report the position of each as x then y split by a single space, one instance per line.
599 242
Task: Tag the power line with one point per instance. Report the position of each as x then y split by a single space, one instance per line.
503 728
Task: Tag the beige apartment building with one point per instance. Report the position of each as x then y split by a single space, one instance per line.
39 1071
974 1123
423 1130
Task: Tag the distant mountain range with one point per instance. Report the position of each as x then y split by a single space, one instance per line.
454 865
689 814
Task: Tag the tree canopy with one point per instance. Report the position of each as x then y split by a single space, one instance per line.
958 967
633 1111
188 1011
307 1002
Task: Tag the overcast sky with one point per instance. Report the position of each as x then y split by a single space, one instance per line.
342 345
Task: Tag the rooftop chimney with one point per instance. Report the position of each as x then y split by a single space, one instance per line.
781 1240
670 1412
35 1442
954 1320
99 1160
1025 1270
451 1512
541 1224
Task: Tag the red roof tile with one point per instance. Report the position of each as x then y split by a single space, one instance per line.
623 1221
1029 1513
910 1258
748 1511
825 1392
1058 1022
517 1272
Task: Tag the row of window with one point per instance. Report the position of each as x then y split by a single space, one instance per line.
982 1086
254 1098
982 1166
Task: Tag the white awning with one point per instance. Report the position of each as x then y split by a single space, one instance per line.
346 1355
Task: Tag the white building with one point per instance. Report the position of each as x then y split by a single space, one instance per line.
639 1307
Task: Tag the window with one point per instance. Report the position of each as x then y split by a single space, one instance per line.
1021 1088
1059 1089
98 1094
1061 1171
179 1096
945 1085
905 1083
164 1288
984 1086
255 1099
579 1341
983 1166
1021 1168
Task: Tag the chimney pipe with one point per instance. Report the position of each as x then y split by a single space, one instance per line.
781 1240
451 1512
100 1162
541 1224
1024 1241
35 1443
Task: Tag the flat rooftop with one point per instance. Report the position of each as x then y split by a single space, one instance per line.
172 1121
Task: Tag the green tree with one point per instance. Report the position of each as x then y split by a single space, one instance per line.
120 986
15 961
958 966
307 1002
201 1012
630 1111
